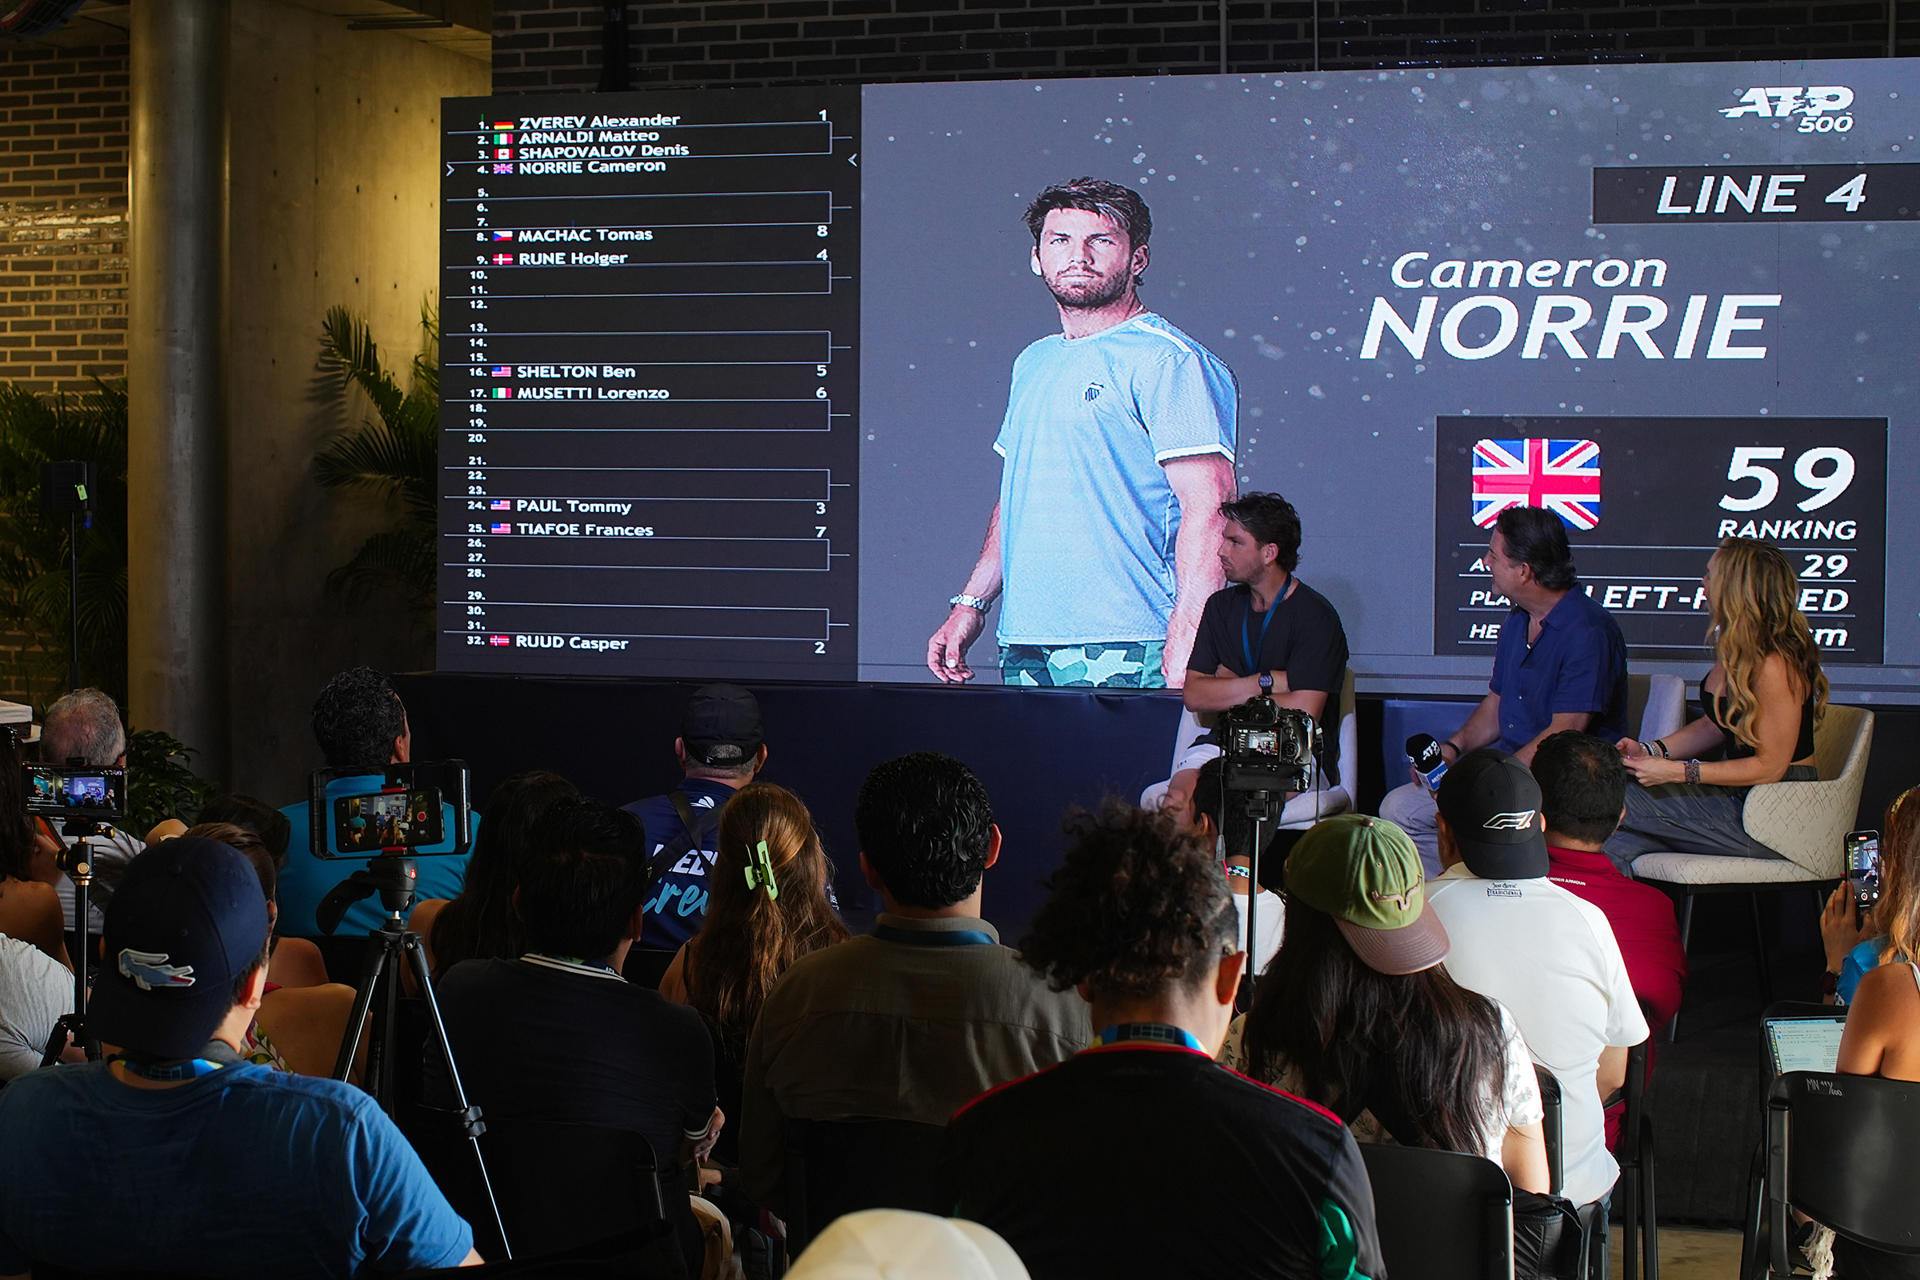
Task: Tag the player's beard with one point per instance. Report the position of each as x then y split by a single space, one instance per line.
1090 294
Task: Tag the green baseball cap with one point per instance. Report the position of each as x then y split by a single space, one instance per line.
1365 873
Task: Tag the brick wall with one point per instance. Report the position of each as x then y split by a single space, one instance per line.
556 45
63 216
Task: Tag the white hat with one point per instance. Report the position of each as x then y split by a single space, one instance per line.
900 1243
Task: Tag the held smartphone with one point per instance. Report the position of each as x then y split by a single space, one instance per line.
399 819
1863 869
63 791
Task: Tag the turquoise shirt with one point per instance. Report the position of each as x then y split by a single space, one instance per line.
1087 518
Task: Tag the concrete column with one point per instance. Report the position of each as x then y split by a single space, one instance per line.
176 372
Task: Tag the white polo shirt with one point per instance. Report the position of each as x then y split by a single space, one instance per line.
1551 959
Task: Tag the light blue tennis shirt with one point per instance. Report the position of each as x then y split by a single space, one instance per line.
1087 518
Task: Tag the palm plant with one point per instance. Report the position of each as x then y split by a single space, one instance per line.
394 454
34 545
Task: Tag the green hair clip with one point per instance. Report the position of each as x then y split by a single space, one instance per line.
760 872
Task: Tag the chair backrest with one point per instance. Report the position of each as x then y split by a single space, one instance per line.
1806 821
1840 1150
1656 705
834 1167
1550 1126
1441 1215
1634 1094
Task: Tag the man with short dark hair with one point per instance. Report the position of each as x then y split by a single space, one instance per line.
722 745
84 729
1117 449
922 1014
359 722
1560 664
1546 955
557 1034
176 1157
1583 788
1219 818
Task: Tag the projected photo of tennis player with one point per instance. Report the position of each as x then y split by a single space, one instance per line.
1117 451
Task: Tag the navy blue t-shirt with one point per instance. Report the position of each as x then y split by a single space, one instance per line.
1579 663
676 904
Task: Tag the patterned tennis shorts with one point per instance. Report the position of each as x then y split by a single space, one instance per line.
1134 664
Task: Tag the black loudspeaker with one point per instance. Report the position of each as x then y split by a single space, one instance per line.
66 486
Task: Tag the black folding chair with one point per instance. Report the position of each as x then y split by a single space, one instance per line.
1441 1215
1840 1150
834 1167
1639 1226
1550 1126
1753 1221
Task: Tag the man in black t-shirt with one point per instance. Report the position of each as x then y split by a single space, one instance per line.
1265 632
558 1035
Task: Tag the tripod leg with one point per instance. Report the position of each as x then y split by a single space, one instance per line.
362 1002
469 1115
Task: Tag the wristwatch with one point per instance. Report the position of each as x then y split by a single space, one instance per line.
1266 683
972 602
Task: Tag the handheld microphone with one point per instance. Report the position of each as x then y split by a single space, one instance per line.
1424 754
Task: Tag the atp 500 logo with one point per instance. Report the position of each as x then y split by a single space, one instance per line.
1822 108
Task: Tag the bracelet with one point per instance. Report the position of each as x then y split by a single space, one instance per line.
1449 742
1829 983
1645 750
972 602
1692 771
1661 745
1239 873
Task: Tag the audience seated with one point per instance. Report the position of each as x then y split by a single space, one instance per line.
1358 1015
768 907
35 990
174 1156
1141 1156
1549 957
922 1014
359 723
29 905
1883 1026
1857 943
1583 785
294 962
482 922
557 1034
84 728
1561 664
722 745
1759 703
1218 819
297 1029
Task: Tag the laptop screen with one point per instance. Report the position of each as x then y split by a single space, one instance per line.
1805 1044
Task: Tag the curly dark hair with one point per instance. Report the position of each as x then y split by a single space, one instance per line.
1137 907
1093 195
926 825
356 718
1269 518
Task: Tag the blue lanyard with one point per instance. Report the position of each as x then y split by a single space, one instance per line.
1157 1032
933 937
1253 652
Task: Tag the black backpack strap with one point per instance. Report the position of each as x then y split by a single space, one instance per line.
699 825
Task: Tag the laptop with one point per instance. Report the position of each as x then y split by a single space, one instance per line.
1806 1043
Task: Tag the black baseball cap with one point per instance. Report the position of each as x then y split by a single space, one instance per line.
1492 805
187 920
721 726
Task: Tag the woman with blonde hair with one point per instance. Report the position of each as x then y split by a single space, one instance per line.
1759 703
768 905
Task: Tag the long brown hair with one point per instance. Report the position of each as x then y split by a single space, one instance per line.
1753 599
1898 911
750 937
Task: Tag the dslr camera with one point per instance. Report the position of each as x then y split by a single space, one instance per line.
1268 747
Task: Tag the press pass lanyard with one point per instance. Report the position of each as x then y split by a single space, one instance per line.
216 1055
1252 652
1157 1032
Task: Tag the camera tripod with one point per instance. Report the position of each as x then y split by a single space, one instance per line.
76 860
1263 783
394 877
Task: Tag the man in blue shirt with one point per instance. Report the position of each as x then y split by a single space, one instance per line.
722 745
1561 664
1118 451
360 723
174 1155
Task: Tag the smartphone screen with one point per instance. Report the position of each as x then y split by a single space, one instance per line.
1863 867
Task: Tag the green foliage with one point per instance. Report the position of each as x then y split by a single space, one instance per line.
160 784
394 455
34 544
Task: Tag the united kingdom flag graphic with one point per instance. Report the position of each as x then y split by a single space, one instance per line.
1561 475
